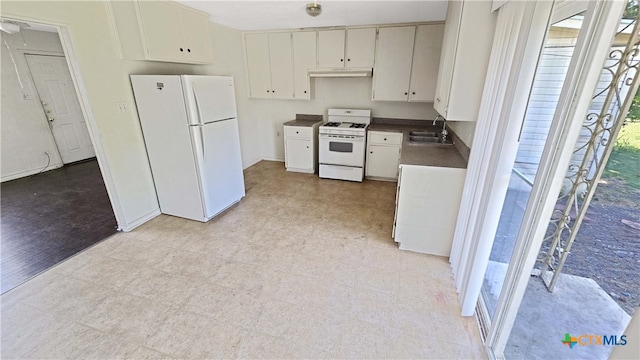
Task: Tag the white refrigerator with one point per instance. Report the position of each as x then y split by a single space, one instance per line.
190 129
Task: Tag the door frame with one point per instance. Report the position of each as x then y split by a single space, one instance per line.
33 84
52 139
506 92
92 126
593 44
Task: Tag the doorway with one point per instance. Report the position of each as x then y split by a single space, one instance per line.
54 86
54 198
526 48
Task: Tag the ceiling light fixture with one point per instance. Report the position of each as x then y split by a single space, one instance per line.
314 9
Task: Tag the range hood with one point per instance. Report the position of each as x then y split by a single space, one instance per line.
340 73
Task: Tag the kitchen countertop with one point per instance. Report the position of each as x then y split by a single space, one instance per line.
423 154
305 120
302 122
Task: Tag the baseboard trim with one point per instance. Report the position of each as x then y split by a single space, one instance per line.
273 159
26 173
139 221
251 163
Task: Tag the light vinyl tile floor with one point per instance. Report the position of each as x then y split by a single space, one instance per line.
302 267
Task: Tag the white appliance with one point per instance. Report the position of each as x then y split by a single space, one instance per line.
191 134
342 144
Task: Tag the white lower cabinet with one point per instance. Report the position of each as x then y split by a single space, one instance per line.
300 148
299 154
383 155
427 204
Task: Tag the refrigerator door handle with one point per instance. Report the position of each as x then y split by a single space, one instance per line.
200 122
204 152
195 97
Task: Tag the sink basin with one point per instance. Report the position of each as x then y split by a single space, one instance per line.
427 137
423 139
424 133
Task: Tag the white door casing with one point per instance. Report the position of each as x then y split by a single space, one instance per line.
518 39
61 106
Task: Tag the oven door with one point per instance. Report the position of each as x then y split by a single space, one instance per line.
343 150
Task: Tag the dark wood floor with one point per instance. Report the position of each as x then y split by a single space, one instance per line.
49 217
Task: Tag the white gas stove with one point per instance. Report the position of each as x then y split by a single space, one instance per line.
342 144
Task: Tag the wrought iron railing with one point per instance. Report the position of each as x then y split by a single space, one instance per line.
590 156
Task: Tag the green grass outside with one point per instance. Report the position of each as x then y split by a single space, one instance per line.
624 162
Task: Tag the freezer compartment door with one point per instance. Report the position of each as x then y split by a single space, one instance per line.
168 141
209 98
217 148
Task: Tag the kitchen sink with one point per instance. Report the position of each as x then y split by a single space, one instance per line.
427 137
423 139
424 133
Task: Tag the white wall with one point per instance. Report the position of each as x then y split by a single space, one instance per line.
24 132
632 349
106 79
326 93
464 130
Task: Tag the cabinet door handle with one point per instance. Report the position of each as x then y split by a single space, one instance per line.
188 50
370 152
406 93
268 91
305 91
297 132
385 139
181 49
341 60
307 146
438 99
348 59
273 91
413 93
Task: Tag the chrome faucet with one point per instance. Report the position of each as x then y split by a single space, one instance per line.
444 132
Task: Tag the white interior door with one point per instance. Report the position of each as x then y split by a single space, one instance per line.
60 103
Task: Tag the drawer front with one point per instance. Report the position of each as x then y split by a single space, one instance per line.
388 138
298 132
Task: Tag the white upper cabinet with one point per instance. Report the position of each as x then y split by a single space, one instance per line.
270 65
350 48
195 31
257 50
304 59
468 38
162 31
331 48
407 60
426 60
393 63
281 61
361 47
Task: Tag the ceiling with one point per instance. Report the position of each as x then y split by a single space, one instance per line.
271 15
